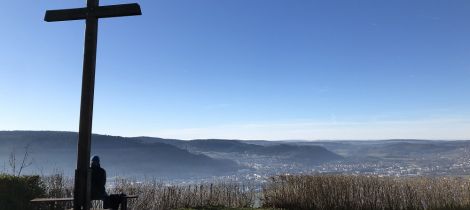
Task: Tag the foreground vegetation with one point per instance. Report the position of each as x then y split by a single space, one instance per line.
281 192
16 192
364 192
223 208
156 195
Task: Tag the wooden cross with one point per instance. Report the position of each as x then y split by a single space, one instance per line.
91 14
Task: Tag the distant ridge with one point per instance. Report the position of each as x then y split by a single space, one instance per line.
57 150
168 158
307 155
205 158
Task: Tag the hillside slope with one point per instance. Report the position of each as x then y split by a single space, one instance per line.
57 150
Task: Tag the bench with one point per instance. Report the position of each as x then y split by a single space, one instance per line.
54 201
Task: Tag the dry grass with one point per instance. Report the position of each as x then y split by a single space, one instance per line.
300 192
154 195
363 192
158 196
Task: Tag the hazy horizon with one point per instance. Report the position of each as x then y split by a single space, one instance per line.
291 139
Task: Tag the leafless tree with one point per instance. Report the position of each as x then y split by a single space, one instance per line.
16 166
12 161
4 167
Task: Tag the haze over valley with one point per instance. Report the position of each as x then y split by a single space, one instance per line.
196 160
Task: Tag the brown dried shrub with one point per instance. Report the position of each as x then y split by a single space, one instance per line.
159 196
366 192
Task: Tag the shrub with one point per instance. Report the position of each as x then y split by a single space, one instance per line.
155 195
366 193
57 186
16 192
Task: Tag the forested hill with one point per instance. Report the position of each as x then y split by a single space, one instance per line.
157 157
52 150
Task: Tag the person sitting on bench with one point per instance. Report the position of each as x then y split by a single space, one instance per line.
98 190
98 180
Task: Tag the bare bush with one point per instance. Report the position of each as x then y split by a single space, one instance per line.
298 192
366 192
58 185
158 196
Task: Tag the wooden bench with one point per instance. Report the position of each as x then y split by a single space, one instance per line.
54 201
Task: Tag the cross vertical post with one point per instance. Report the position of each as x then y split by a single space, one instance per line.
82 192
82 189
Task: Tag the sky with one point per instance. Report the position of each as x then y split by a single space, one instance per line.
245 69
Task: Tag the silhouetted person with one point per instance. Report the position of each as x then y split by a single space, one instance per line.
98 180
98 190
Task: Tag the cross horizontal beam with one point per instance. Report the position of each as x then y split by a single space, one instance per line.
119 10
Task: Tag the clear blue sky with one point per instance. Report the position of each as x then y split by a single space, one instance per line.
245 69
